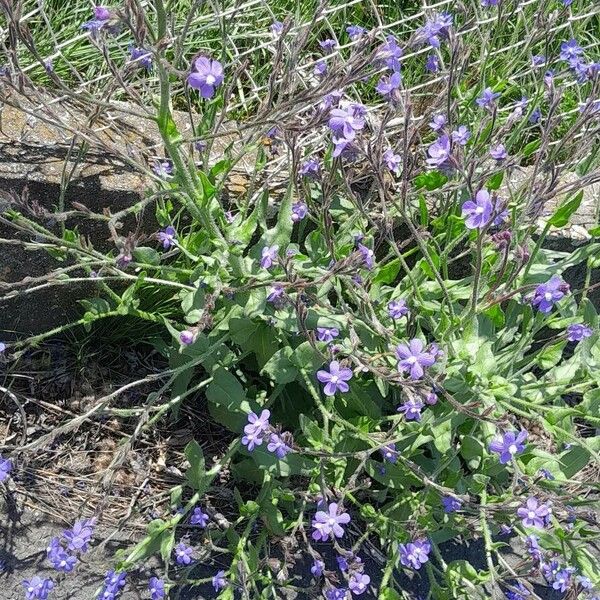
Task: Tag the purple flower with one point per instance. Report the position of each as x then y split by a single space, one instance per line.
549 570
413 359
2 347
368 256
276 28
567 2
278 446
299 211
199 518
355 31
562 579
546 474
411 409
520 106
331 99
167 236
477 213
390 453
183 554
533 514
398 309
156 587
438 122
251 440
509 445
343 147
533 548
535 115
207 76
336 593
547 294
219 581
342 563
276 295
570 50
268 256
163 168
37 588
435 30
461 135
390 53
329 523
487 99
439 152
328 45
498 152
432 64
187 337
451 504
113 582
578 331
392 161
387 86
317 568
327 334
80 536
102 13
549 77
522 594
358 583
415 554
310 168
538 60
488 3
431 398
102 16
335 379
258 425
585 582
141 56
320 68
346 122
61 560
5 468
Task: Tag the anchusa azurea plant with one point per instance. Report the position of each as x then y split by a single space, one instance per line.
377 318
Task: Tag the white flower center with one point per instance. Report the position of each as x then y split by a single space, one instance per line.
531 514
334 379
512 449
548 296
331 522
210 79
411 360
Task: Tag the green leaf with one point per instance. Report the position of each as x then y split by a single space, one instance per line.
196 474
227 395
495 181
280 367
432 180
242 329
389 594
388 272
146 255
550 355
564 212
573 461
423 211
531 147
166 545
